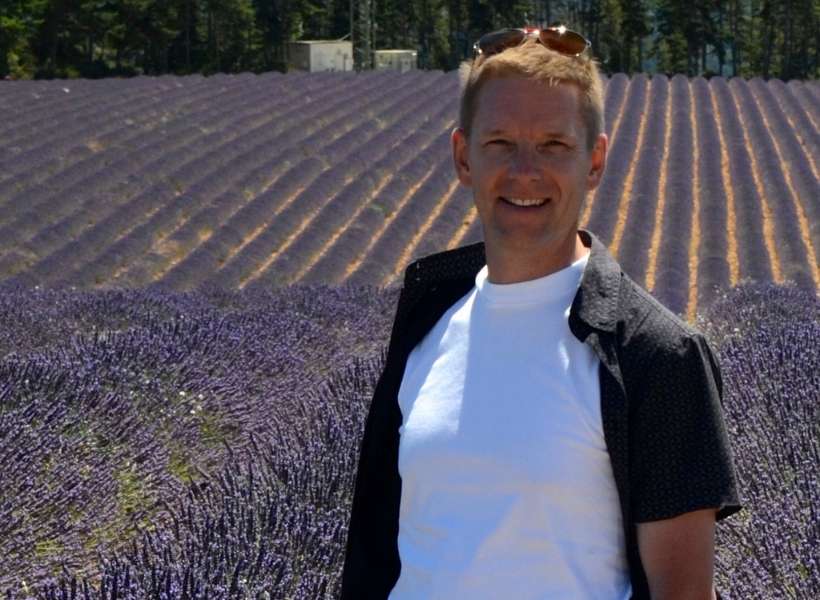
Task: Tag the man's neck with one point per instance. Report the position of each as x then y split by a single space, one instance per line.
514 265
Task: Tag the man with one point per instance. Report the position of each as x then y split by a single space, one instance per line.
542 428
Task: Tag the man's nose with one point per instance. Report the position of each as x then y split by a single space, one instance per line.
525 163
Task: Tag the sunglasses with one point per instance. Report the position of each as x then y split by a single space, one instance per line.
558 38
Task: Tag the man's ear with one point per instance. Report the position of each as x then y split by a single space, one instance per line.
461 156
598 162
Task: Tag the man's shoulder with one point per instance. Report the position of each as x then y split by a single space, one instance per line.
610 300
435 280
457 263
648 327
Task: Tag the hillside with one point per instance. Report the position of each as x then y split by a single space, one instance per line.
261 181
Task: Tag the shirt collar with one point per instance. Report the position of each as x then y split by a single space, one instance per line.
595 303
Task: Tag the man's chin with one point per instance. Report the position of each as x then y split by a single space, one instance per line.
533 240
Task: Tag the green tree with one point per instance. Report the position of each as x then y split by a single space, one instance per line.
635 28
19 22
230 33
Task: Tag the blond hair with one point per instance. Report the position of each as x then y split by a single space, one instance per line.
535 61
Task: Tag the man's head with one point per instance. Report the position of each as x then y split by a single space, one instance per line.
532 60
530 146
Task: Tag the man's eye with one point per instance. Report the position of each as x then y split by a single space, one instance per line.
502 142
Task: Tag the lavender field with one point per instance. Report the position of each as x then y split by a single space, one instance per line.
259 181
198 277
167 445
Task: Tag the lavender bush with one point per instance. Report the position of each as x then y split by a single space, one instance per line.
204 445
113 404
768 340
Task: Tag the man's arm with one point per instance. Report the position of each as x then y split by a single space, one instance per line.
678 555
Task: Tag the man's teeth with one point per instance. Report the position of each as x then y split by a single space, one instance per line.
526 201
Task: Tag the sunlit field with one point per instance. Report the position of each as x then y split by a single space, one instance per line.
198 278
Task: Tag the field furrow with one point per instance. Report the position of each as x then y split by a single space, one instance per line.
260 181
311 238
454 214
205 179
293 217
671 273
799 124
797 166
616 182
380 265
755 260
616 100
118 172
808 98
638 207
794 246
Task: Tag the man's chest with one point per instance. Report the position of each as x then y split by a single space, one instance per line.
509 396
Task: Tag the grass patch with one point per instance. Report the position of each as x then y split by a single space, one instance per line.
180 465
132 494
214 430
47 548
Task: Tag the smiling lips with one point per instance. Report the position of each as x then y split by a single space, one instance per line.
525 201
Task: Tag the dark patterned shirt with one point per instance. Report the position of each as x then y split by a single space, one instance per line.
660 405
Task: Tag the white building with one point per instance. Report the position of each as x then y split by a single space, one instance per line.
320 55
398 60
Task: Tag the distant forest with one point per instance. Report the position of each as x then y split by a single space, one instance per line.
103 38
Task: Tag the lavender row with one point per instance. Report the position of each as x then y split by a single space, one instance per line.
95 239
805 184
672 279
180 133
633 253
119 171
349 164
713 251
202 216
804 127
615 93
37 99
298 138
398 211
808 96
61 129
201 189
352 198
791 251
604 213
355 240
449 221
384 257
753 255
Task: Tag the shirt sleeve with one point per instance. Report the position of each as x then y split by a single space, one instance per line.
681 459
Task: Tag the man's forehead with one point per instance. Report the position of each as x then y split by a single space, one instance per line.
514 104
520 92
531 85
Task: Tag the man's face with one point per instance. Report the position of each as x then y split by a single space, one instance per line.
528 146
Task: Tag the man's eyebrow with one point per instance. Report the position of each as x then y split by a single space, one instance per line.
549 134
494 132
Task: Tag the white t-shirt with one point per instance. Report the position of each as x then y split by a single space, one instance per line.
507 488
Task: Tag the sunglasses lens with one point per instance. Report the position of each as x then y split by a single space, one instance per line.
497 41
564 41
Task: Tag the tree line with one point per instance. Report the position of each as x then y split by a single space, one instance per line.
99 38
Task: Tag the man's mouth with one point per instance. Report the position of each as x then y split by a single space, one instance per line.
525 202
